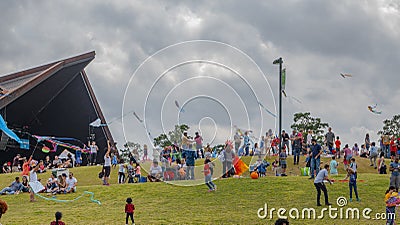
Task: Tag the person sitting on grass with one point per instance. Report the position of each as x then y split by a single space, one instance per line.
14 188
25 184
71 183
61 184
51 184
58 219
155 172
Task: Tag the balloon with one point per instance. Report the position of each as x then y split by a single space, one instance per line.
254 175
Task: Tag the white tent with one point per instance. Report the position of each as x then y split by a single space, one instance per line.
64 156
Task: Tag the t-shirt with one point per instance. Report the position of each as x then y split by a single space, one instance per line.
347 152
237 138
285 137
129 208
246 140
71 182
107 160
373 150
155 170
121 168
282 157
59 223
207 169
137 170
198 140
393 146
353 166
338 143
320 176
386 140
329 137
309 138
93 148
333 167
395 165
316 149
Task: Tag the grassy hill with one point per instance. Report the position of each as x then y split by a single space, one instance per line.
235 202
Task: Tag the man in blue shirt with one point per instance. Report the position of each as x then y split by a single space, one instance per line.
395 177
316 151
319 185
14 188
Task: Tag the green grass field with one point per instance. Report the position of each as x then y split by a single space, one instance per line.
235 202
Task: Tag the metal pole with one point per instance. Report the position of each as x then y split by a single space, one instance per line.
280 103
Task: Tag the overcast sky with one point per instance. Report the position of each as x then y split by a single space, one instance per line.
219 80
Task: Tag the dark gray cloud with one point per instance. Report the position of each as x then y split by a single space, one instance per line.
317 39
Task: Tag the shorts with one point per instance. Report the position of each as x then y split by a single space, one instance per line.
107 170
392 153
283 166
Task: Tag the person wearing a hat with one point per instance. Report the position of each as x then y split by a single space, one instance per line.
316 151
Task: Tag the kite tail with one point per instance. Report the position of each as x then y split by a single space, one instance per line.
64 201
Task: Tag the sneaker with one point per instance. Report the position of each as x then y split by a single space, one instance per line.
358 200
319 204
210 190
350 199
328 203
311 178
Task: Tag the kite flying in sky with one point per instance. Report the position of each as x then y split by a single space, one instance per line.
373 109
177 105
344 75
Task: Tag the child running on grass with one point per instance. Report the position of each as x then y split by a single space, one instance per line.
207 176
129 210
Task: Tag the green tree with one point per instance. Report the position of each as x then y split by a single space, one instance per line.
173 137
130 148
392 126
304 121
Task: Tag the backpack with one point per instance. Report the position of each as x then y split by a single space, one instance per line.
101 174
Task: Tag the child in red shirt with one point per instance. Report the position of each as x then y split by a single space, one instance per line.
337 145
129 208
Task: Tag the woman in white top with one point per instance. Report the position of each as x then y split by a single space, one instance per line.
107 164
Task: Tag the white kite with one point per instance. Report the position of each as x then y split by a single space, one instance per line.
344 75
177 105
